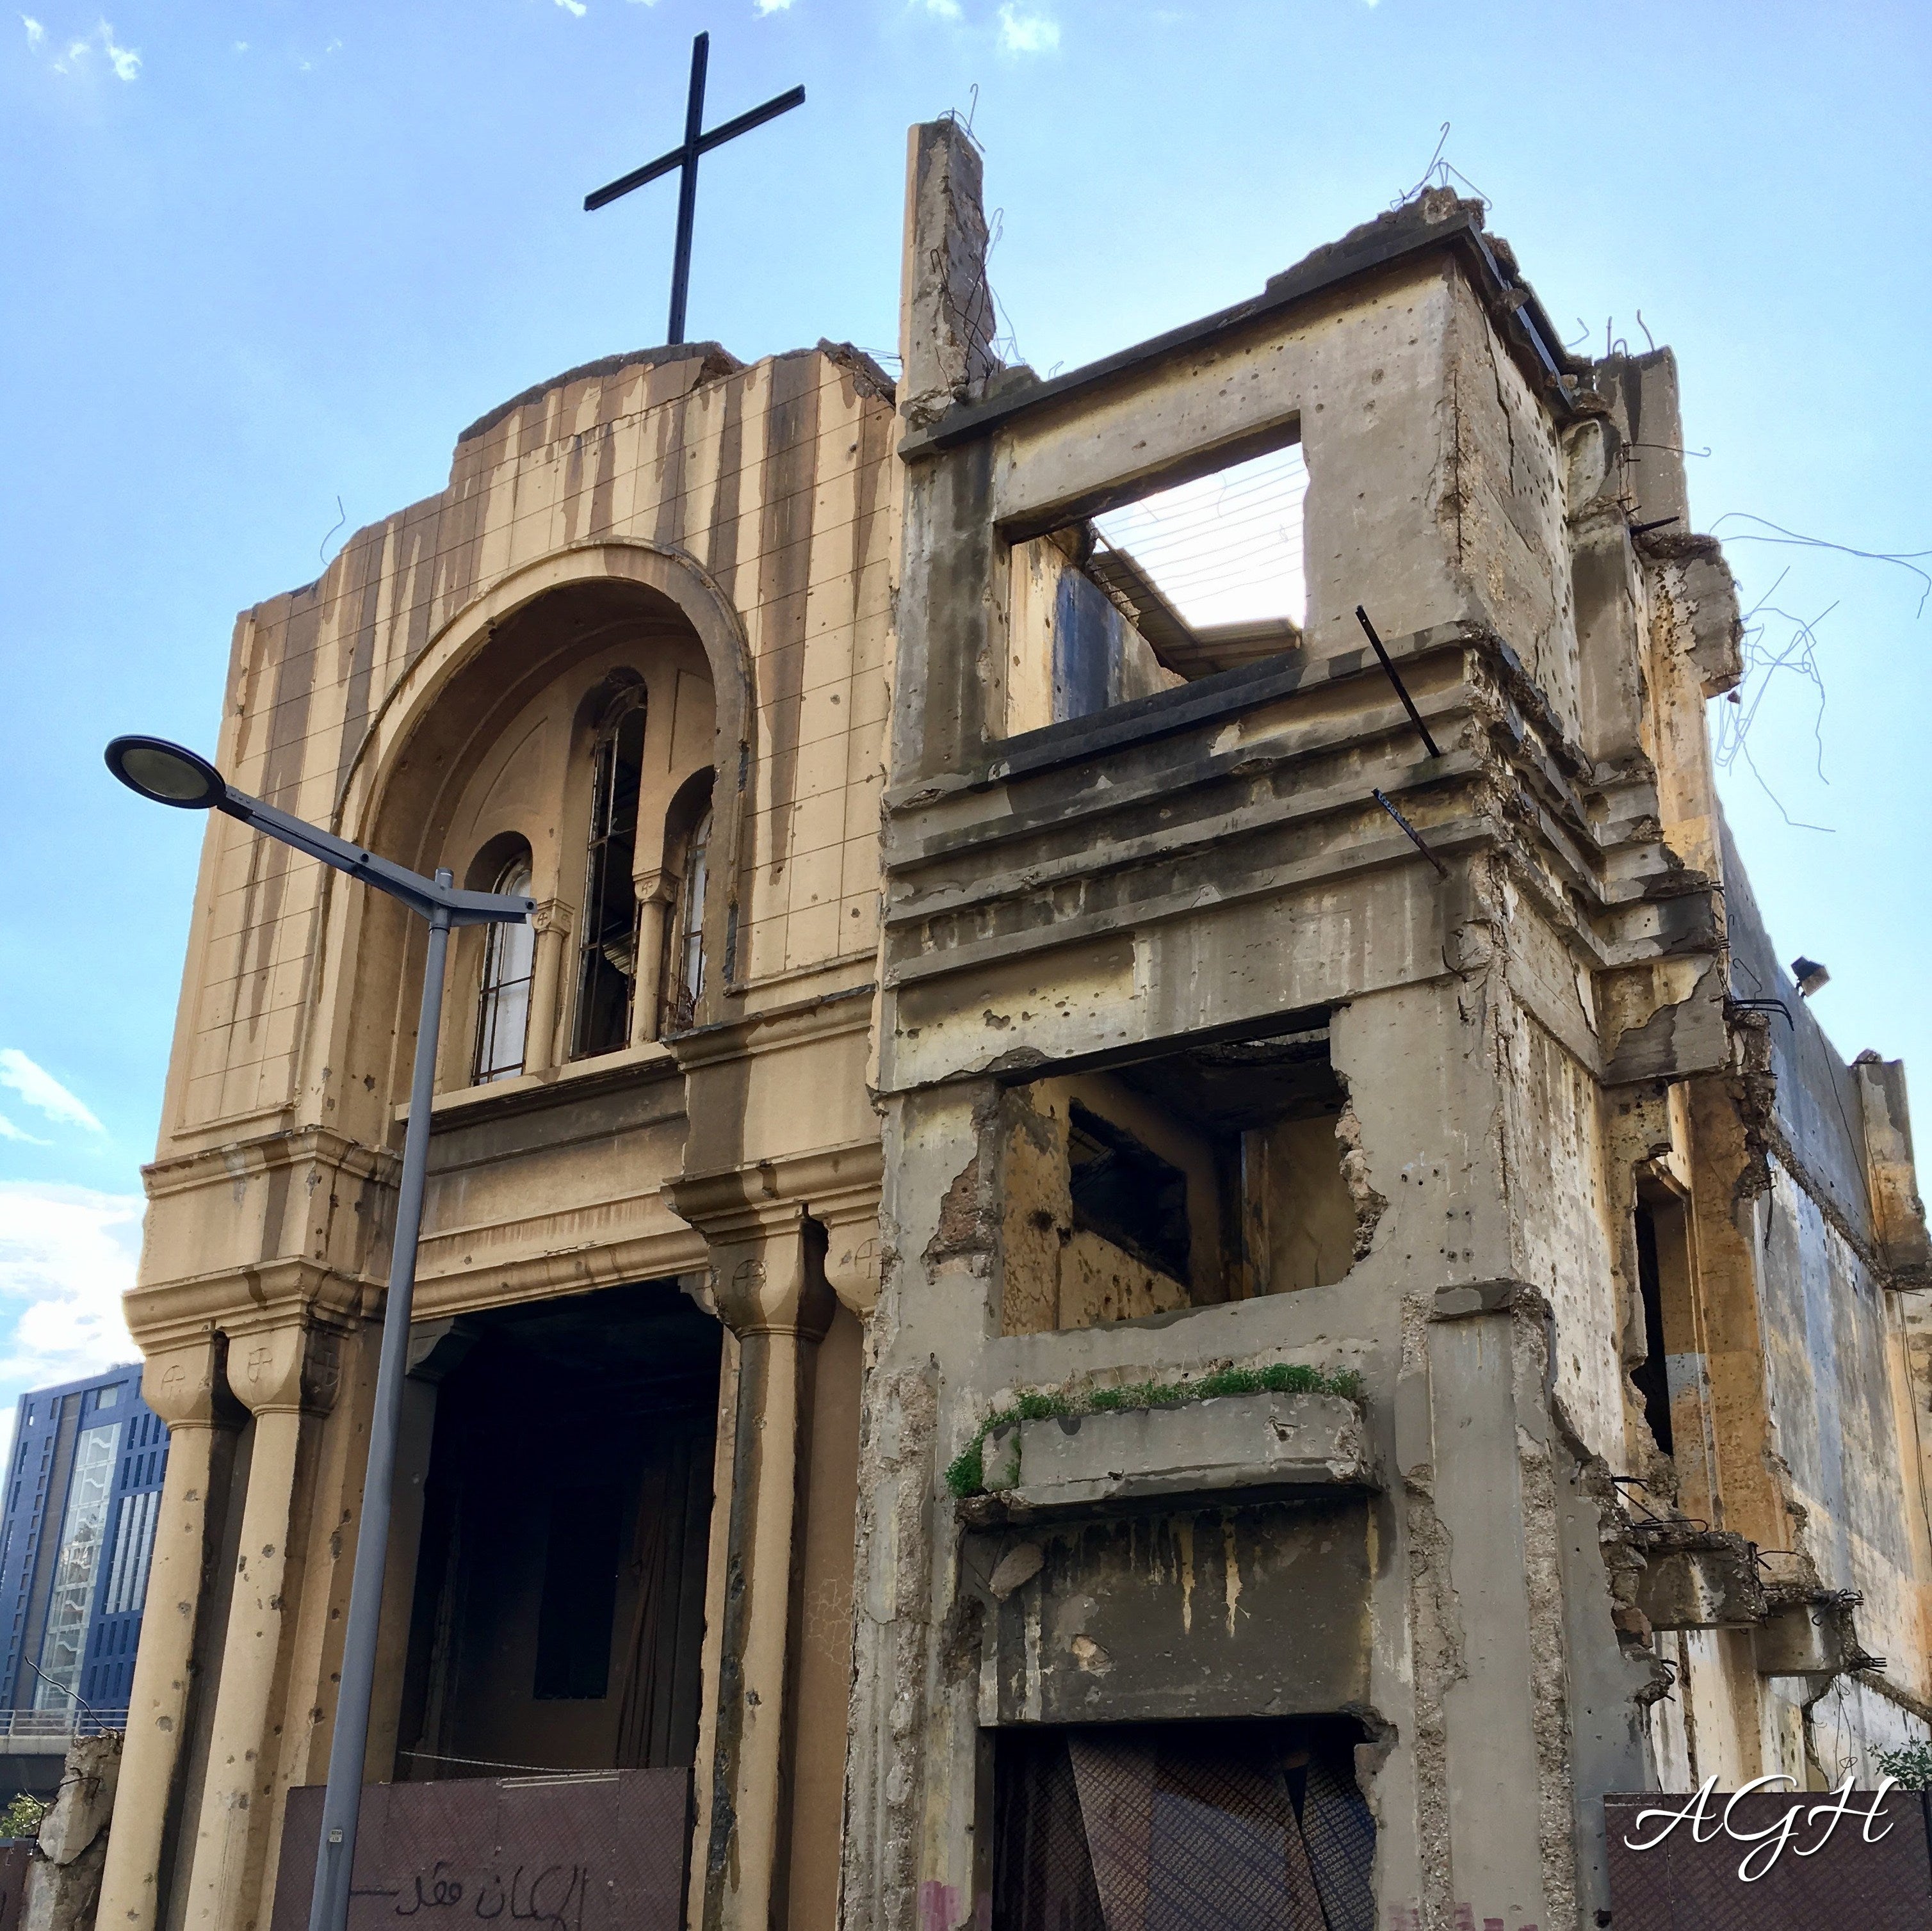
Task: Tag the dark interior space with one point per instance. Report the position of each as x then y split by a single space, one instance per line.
1256 1826
1126 1193
559 1601
1650 1377
1264 1111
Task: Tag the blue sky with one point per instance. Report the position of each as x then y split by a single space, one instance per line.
265 254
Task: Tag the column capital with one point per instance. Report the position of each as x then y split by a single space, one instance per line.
185 1384
772 1281
553 915
288 1367
761 1224
853 1255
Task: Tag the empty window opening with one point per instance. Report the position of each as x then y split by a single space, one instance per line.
503 1010
1182 1827
607 969
559 1607
1201 577
1652 1376
1203 1176
1221 553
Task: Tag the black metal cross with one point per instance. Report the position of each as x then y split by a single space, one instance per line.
696 142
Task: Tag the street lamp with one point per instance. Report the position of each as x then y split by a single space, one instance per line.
165 774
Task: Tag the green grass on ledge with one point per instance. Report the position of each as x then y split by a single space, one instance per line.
966 1474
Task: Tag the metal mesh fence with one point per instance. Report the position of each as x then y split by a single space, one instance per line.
1760 1867
603 1851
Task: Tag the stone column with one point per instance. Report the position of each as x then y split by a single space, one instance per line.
552 921
769 1283
183 1386
282 1372
653 909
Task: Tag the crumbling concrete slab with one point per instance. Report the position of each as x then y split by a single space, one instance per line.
1244 1445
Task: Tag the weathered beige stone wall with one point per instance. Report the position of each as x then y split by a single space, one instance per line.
727 533
772 480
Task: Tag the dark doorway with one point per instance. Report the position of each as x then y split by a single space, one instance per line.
559 1602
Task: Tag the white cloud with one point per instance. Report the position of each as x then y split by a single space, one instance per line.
44 1092
240 46
8 1131
946 10
36 33
576 7
126 62
771 6
1027 33
67 1254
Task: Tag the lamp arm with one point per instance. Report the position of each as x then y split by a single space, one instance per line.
422 896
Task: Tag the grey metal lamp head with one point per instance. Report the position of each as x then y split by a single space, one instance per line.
166 773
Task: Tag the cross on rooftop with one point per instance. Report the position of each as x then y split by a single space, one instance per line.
684 158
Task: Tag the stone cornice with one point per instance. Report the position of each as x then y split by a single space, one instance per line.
236 1300
848 1009
233 1159
559 1086
740 1203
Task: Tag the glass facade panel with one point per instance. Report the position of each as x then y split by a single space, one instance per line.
77 1567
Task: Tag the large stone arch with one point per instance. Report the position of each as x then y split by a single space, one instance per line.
375 804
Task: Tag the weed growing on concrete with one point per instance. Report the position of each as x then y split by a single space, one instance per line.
966 1474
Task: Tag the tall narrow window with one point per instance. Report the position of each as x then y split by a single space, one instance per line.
503 1011
686 986
607 964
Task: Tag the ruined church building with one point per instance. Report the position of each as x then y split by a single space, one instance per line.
1064 1204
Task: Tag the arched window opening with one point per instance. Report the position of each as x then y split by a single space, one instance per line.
509 963
684 983
607 961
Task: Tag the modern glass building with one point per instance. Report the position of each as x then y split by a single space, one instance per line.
83 1490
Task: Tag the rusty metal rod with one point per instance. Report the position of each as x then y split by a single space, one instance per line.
1402 691
1414 836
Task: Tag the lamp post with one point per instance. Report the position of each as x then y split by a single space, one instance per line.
165 774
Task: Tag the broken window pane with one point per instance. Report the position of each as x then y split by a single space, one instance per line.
503 1011
608 958
687 983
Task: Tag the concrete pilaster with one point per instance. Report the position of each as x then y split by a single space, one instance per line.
768 1283
282 1373
182 1385
1503 1810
